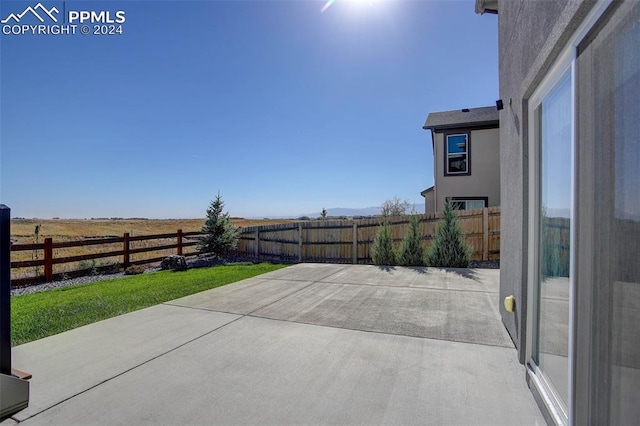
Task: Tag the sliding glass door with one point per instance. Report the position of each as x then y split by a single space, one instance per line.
583 322
608 207
552 212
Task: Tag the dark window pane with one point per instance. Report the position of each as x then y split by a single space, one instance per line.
457 163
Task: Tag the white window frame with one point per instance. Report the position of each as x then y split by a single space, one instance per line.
553 77
467 200
448 154
565 61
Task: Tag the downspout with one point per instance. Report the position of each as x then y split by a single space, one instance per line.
435 187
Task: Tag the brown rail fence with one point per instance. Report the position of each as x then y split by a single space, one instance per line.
121 251
331 241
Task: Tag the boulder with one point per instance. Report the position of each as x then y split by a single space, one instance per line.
174 262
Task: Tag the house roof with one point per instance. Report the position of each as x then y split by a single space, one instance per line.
424 193
486 6
468 117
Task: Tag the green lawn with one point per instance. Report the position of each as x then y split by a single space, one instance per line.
34 316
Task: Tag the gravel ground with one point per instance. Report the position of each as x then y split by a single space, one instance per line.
17 291
198 262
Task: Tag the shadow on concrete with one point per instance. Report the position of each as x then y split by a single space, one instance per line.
471 274
422 270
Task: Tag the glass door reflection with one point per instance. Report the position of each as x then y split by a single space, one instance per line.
554 220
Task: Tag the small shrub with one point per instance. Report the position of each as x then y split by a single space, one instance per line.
89 264
134 270
411 252
449 249
383 252
109 266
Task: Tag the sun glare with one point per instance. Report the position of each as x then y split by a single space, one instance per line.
359 2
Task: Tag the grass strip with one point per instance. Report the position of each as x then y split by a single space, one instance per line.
38 315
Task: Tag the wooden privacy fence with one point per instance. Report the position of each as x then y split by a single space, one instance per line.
351 241
124 248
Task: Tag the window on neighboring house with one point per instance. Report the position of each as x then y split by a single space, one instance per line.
457 154
468 203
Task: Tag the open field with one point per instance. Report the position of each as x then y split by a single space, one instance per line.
67 230
22 230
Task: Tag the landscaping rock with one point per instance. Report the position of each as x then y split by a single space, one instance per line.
134 270
174 262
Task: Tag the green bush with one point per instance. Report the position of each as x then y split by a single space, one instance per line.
383 252
449 248
411 252
222 235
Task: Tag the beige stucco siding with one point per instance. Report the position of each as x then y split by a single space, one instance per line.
429 202
484 181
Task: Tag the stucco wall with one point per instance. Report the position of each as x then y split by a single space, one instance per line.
531 35
484 180
429 202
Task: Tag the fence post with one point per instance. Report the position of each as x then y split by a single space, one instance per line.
179 242
126 261
300 242
485 233
355 243
5 289
257 248
48 259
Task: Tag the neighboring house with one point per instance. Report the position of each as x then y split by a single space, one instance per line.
570 202
466 161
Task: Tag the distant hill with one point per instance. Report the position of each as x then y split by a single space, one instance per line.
364 211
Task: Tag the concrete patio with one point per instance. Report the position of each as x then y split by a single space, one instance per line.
308 344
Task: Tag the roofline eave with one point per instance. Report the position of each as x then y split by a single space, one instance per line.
484 124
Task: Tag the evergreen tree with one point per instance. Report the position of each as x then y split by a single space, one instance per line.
383 252
449 248
222 235
411 252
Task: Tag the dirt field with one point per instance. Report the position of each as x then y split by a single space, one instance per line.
63 230
23 230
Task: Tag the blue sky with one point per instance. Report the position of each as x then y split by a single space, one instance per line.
282 108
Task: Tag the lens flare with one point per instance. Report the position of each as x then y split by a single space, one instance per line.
326 6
